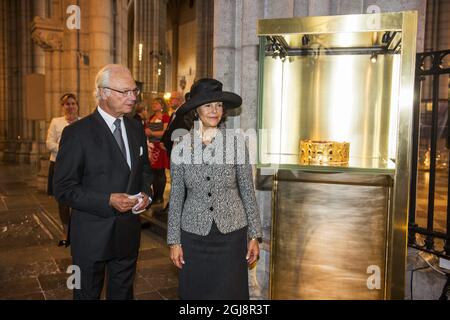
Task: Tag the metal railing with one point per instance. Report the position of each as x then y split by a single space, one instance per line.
430 66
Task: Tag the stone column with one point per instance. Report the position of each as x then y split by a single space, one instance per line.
205 31
47 35
99 38
38 66
319 7
224 42
3 77
252 10
175 16
301 8
122 34
348 7
26 63
150 19
86 87
12 84
159 41
70 58
38 53
279 9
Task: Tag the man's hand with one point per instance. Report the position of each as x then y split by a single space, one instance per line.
121 202
145 202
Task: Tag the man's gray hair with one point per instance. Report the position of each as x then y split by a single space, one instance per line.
102 79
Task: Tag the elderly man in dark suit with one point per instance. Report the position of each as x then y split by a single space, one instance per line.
102 163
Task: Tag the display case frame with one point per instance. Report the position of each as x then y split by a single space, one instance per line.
404 23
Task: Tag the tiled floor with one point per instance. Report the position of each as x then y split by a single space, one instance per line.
31 264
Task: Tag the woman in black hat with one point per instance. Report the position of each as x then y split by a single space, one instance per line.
214 223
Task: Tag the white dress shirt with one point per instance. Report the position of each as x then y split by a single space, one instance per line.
109 119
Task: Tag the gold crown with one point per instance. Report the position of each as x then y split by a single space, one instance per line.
324 152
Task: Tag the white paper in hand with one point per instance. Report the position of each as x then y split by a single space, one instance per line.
140 198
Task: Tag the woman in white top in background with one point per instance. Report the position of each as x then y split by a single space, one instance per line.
69 105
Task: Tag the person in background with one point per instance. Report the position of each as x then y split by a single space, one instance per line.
159 160
140 113
69 105
175 101
178 126
214 227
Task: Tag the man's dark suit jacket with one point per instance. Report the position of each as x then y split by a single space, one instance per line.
89 167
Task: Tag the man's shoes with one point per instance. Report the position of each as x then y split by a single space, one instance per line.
64 243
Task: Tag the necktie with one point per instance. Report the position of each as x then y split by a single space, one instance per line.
118 136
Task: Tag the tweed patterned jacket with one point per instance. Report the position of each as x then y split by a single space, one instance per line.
212 182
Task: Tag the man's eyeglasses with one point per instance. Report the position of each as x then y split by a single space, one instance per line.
135 92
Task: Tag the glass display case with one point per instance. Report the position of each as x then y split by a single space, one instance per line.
335 97
331 81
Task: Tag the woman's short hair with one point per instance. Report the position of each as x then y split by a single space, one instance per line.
66 97
162 102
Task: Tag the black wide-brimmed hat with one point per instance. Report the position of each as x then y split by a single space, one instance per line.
208 90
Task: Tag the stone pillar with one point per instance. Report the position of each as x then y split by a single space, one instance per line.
38 7
12 84
150 26
160 42
319 7
279 9
205 31
47 35
224 42
38 66
122 33
348 7
70 58
301 8
3 77
252 10
26 67
174 41
99 38
86 98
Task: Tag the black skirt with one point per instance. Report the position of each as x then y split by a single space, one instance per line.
51 170
215 266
